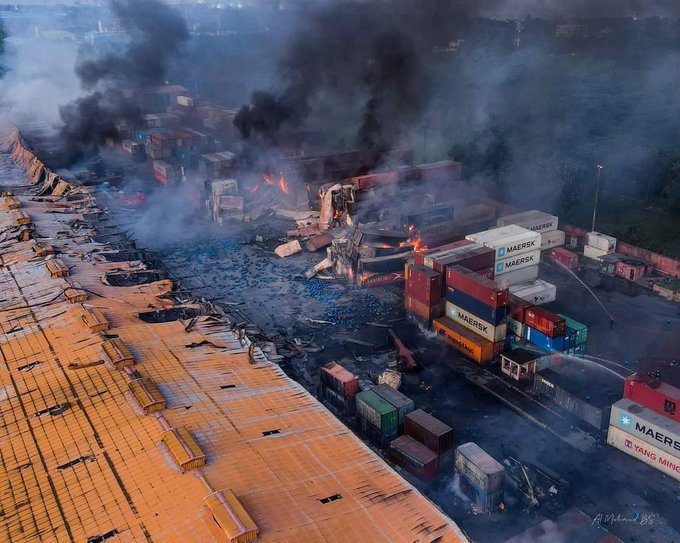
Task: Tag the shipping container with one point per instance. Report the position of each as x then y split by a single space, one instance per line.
545 321
536 292
649 454
414 457
577 391
593 253
552 239
377 417
344 405
436 214
562 257
517 262
601 241
480 468
487 272
419 258
403 403
508 242
580 330
423 284
492 315
517 307
339 379
515 327
645 424
429 431
536 221
488 501
473 284
474 257
656 395
423 311
470 344
473 323
542 340
515 277
474 214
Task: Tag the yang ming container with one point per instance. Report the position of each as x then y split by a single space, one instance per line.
492 315
473 323
477 286
429 431
480 468
649 454
660 397
646 425
403 403
468 343
377 417
536 221
414 457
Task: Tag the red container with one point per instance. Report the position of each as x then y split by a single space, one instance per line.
479 287
476 258
336 377
560 255
545 321
424 284
419 258
518 307
656 395
424 311
414 457
429 431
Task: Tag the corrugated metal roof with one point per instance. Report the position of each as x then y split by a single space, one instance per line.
80 459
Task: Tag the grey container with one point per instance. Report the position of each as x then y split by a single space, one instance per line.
476 465
403 403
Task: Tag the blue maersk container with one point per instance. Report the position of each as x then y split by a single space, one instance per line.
485 312
545 342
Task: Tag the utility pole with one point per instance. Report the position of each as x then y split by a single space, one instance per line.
597 194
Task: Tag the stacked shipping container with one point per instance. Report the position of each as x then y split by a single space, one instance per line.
338 388
597 245
544 329
378 419
481 477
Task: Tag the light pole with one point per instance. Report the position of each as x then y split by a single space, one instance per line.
597 194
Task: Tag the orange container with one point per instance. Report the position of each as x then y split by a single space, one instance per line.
424 311
465 341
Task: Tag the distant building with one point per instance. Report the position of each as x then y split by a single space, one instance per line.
570 31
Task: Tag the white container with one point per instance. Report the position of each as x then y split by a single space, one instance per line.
474 214
601 241
517 262
554 238
185 101
647 425
520 276
537 292
473 323
508 241
536 221
429 259
594 253
515 327
649 454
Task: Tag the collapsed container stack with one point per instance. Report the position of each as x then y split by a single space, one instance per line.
425 439
475 310
338 388
423 293
644 433
516 253
481 477
597 245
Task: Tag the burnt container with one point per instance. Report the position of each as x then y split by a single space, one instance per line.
344 405
429 431
423 284
476 465
488 501
414 457
337 378
476 286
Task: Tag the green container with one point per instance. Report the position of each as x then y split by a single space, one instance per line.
377 411
581 329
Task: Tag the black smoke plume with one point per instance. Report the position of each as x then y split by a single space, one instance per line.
156 32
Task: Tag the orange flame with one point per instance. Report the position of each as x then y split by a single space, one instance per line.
418 245
272 181
282 185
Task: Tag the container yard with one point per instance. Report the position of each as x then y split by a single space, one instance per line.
351 306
